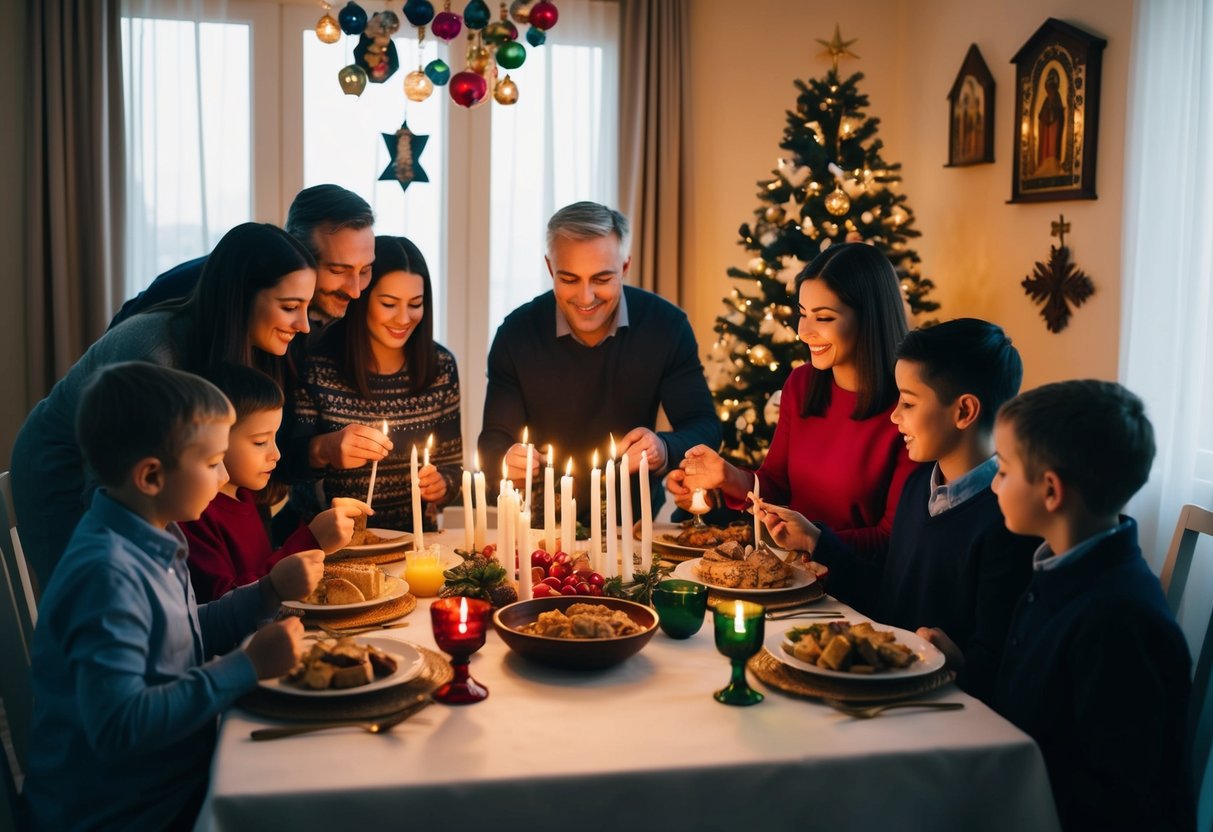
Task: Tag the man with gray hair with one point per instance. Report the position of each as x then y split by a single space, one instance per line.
593 357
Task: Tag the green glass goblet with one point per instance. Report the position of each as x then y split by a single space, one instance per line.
740 628
680 607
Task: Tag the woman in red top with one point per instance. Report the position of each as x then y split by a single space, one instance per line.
836 457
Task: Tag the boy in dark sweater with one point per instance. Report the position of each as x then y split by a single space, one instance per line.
951 564
1095 667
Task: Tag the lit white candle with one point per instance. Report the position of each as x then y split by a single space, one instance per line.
568 510
549 506
429 443
625 521
505 520
530 460
463 614
738 617
757 515
370 489
646 515
482 508
469 519
595 516
525 592
612 552
415 487
499 532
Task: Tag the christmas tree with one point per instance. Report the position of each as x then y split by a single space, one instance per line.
831 187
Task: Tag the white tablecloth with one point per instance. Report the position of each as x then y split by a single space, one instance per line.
642 745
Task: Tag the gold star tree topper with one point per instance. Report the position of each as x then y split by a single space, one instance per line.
836 48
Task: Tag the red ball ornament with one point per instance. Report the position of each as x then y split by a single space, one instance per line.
467 88
446 25
544 15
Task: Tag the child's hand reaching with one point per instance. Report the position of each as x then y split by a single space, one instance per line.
276 647
334 527
951 651
296 576
789 529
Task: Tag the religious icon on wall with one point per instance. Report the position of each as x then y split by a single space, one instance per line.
971 113
1057 114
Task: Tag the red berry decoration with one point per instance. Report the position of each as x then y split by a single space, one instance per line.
544 15
446 25
467 88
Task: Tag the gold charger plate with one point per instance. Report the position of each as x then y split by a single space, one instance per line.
775 674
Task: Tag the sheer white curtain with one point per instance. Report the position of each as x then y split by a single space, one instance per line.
1166 343
557 145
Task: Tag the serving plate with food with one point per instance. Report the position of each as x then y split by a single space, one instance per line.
348 667
745 570
351 586
857 650
369 541
687 539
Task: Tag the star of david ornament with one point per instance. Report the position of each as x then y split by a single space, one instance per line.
404 148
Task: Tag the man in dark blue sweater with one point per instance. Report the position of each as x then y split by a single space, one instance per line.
592 358
1095 667
952 569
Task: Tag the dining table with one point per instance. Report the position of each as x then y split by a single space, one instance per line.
639 745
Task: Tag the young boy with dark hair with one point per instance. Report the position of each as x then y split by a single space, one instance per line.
229 544
1095 667
128 672
952 565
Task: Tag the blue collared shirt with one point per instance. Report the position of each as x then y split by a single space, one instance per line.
1045 560
947 495
125 699
620 319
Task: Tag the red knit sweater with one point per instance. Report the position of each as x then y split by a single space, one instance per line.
840 472
229 546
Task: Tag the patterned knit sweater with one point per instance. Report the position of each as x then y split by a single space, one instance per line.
327 402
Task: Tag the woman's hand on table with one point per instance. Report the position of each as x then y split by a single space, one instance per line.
789 529
350 447
431 484
334 527
276 647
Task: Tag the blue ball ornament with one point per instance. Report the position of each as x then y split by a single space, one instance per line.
476 15
438 72
511 55
352 19
536 37
419 12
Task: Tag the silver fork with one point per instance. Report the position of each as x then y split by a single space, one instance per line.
379 726
869 711
781 615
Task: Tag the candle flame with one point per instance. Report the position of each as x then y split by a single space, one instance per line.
550 454
505 469
568 468
526 433
738 617
385 427
463 615
476 460
595 465
613 452
429 442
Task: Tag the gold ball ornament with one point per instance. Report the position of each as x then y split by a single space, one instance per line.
837 202
328 29
478 59
506 91
757 266
773 214
418 86
352 79
760 355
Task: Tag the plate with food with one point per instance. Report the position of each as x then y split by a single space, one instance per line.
368 541
745 570
858 650
348 667
684 539
351 586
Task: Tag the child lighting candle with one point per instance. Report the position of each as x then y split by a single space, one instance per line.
370 490
612 553
568 510
646 516
530 460
469 520
549 506
595 516
482 507
415 487
625 520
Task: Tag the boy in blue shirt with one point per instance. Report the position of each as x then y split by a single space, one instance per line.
951 565
1095 667
128 672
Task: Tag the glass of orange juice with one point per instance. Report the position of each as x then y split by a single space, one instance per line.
423 572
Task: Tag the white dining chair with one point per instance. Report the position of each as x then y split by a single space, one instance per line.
18 614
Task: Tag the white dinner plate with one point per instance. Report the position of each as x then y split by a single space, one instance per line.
392 540
689 570
409 663
393 588
929 657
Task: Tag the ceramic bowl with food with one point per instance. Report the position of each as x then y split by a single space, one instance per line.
580 642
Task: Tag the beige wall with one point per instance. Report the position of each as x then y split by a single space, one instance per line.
975 246
14 69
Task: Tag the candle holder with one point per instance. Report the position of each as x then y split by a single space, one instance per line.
680 607
740 628
459 629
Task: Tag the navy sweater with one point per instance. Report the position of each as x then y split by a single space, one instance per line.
961 571
1096 671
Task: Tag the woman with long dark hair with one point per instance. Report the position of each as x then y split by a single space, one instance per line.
379 364
835 456
249 304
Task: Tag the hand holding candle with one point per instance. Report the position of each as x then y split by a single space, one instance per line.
370 491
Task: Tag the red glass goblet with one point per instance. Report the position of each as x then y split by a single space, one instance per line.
460 625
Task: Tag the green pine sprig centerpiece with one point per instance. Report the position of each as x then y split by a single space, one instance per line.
479 577
831 186
640 588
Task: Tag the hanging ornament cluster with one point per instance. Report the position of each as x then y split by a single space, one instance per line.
490 44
